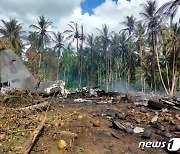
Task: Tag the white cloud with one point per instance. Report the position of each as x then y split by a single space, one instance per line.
110 13
61 12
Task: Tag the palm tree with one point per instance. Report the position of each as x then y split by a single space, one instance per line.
32 39
59 45
99 58
126 54
67 61
105 36
91 45
59 42
114 48
12 30
41 29
140 35
170 8
152 20
32 51
130 24
171 52
82 38
75 34
130 27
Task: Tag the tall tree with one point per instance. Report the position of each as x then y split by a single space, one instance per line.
59 45
82 38
66 62
91 45
140 32
130 27
33 39
42 29
74 33
152 21
105 36
13 31
170 8
130 24
171 46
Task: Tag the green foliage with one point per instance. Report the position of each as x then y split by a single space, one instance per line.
5 44
132 54
12 30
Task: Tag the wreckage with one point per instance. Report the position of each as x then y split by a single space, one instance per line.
15 75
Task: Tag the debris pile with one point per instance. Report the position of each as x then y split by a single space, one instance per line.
21 112
86 119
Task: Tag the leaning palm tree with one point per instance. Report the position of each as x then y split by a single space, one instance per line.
170 8
42 29
152 21
171 53
59 45
12 30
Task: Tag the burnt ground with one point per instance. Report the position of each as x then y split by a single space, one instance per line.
78 117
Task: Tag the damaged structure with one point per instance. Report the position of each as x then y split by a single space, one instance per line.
15 75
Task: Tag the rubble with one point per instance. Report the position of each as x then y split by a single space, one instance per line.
80 100
120 119
138 130
154 119
147 134
119 125
15 75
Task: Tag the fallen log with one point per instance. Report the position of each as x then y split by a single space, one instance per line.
156 105
28 145
167 102
40 106
173 105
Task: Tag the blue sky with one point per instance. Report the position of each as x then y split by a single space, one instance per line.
88 5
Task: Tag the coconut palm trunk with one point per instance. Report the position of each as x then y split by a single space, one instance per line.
174 72
153 62
58 71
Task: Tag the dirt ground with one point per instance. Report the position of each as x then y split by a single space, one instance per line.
77 118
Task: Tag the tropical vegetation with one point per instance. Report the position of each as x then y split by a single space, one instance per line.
145 54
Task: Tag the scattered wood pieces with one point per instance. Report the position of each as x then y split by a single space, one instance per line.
28 145
119 125
40 106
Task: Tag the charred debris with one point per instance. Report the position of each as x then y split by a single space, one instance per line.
26 114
